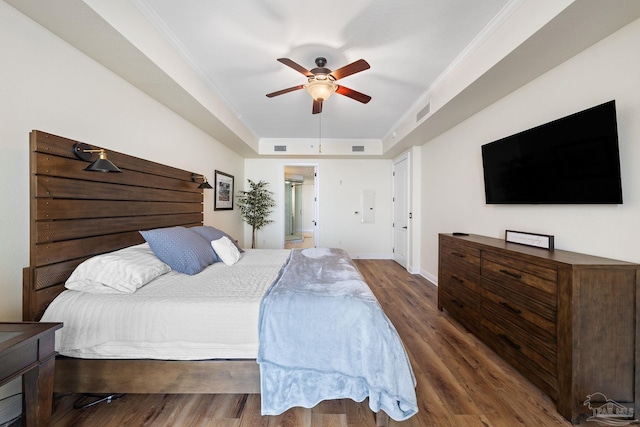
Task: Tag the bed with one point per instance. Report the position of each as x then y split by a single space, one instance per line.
77 216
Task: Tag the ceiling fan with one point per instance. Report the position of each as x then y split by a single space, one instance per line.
322 81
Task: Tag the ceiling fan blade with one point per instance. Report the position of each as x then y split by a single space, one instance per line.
317 107
353 94
347 70
283 91
299 68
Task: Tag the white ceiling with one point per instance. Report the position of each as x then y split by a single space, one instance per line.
213 62
234 46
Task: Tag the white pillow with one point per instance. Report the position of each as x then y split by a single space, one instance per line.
122 271
226 250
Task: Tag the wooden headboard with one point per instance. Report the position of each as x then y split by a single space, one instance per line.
75 214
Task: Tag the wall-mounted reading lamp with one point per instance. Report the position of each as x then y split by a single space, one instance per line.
85 152
204 183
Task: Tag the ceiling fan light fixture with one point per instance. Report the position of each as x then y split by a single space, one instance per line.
320 90
322 81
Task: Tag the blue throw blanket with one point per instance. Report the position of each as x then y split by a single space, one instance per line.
323 335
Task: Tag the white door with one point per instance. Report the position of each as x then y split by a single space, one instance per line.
314 221
401 210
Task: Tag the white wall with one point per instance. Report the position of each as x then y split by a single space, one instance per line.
50 86
339 184
452 180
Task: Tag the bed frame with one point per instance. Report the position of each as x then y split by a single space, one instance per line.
76 214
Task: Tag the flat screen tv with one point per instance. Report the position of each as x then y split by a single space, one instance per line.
572 160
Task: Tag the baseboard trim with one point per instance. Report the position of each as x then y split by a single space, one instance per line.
430 277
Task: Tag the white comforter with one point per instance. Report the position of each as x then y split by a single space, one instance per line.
210 315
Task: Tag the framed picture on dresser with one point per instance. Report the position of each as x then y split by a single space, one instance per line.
544 241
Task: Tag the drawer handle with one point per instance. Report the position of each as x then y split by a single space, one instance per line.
457 279
511 343
455 301
511 309
458 254
508 273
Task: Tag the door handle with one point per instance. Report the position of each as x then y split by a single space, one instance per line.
405 227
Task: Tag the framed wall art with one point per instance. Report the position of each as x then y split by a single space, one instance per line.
544 241
224 191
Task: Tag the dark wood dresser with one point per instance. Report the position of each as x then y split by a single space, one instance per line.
566 321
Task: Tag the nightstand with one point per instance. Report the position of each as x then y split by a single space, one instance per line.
27 350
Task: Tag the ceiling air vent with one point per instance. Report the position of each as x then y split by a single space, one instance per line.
279 148
357 148
426 110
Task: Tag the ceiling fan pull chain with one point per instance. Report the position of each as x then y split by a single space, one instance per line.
320 134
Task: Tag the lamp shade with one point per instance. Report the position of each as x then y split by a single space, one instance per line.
102 165
320 90
204 183
85 152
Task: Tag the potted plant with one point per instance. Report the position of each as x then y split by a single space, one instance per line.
255 206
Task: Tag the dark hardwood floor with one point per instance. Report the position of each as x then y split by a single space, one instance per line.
461 382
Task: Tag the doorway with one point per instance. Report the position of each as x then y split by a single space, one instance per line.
300 206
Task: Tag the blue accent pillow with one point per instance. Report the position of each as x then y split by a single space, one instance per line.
212 233
182 249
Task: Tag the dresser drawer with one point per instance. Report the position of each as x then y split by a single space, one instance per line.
459 279
464 307
463 295
536 282
458 255
542 314
522 325
509 343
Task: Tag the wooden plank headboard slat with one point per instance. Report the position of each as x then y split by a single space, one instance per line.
51 253
63 188
54 145
58 272
43 297
54 274
57 209
42 142
53 231
76 214
49 165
